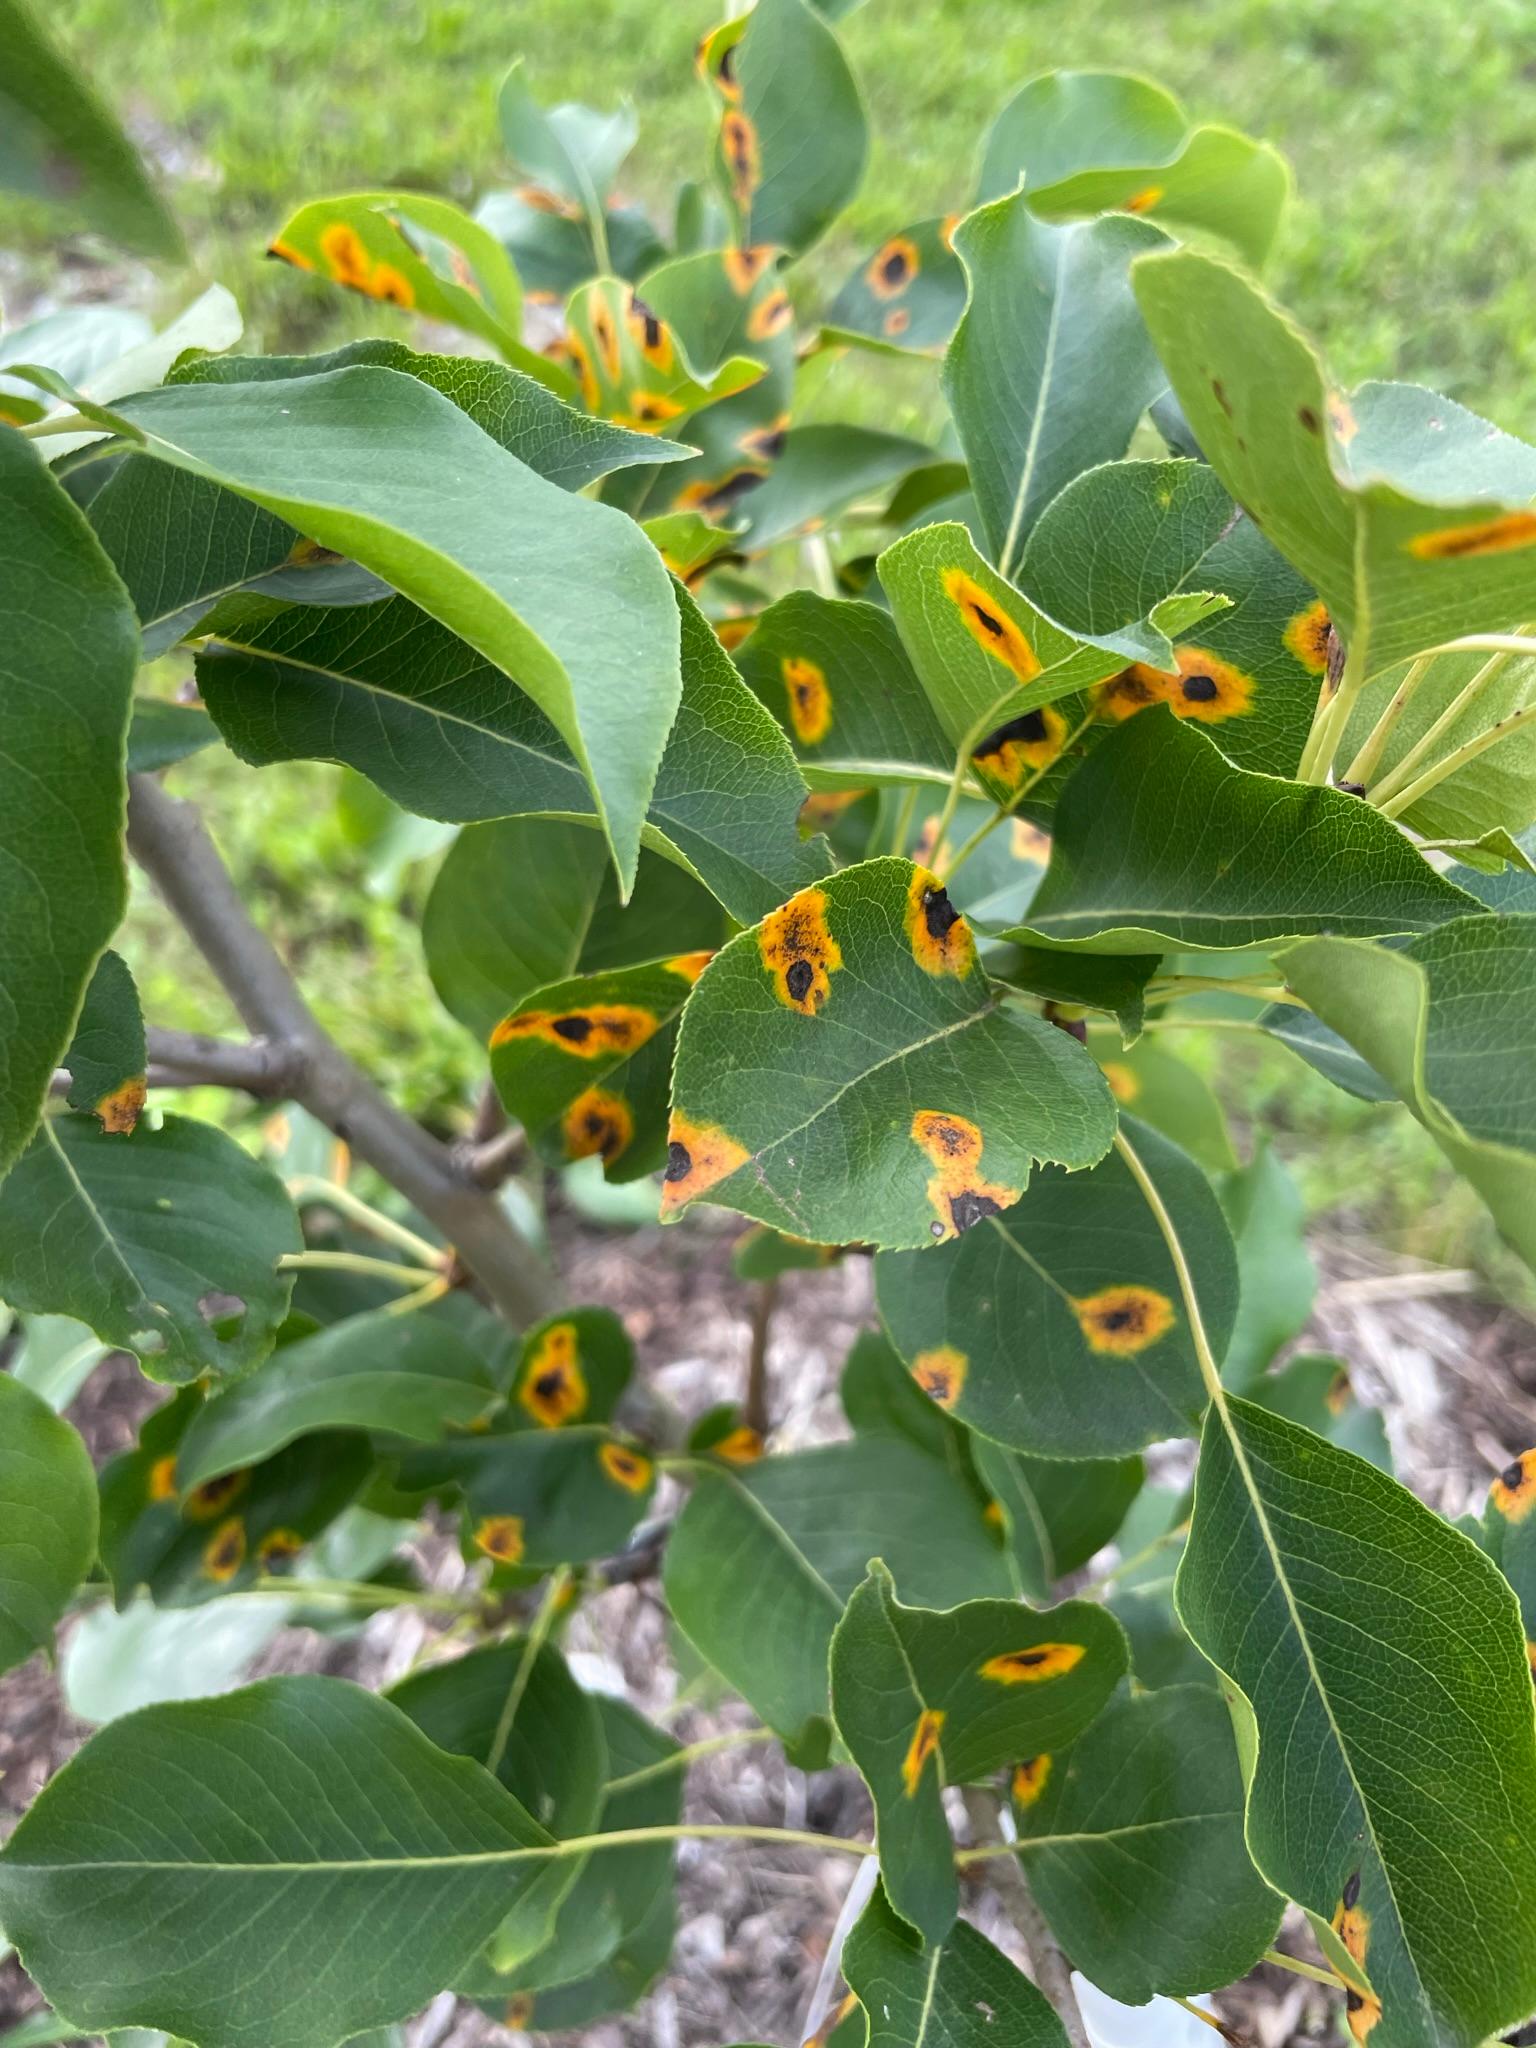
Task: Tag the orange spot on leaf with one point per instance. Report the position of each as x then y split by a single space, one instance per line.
924 1744
743 267
810 701
699 1157
279 1547
1485 537
214 1495
625 1467
224 1552
960 1196
770 316
1022 746
741 1446
941 1374
990 625
1513 1493
1307 637
1202 687
345 256
586 1033
551 1387
162 1478
893 267
1030 1779
500 1537
1121 1321
738 146
1030 1666
939 936
689 965
799 952
1144 200
1123 1084
598 1123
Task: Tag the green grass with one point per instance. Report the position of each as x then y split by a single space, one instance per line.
1408 253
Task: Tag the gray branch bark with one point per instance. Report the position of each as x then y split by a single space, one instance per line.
170 842
1052 1972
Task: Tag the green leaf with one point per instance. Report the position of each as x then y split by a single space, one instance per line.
1133 1847
69 658
1076 1281
1296 1584
925 1700
398 697
583 1065
165 1242
820 470
488 947
1066 122
905 297
106 1057
1314 1389
572 1367
793 138
495 556
1213 858
835 675
573 150
632 368
1050 368
1405 512
61 143
1057 1513
1447 1021
162 734
552 1755
799 1530
1168 1094
565 1493
349 1910
921 1102
1279 1281
965 1994
1493 792
380 1371
47 1520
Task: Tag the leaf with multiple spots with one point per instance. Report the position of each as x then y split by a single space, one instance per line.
799 1530
572 1368
166 1242
1364 1632
350 1911
835 675
1159 841
584 1064
421 253
67 670
921 1101
1051 366
906 296
561 1492
962 1994
106 1057
489 946
1056 1327
47 1520
1406 513
484 543
1133 1846
632 368
1447 1021
444 732
924 1700
397 1374
793 139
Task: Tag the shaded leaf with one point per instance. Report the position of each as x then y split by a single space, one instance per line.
821 469
106 1057
536 1498
905 296
1057 1513
47 1520
1267 1217
965 1994
1314 1389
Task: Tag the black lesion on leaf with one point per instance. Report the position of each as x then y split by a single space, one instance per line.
549 1384
1513 1476
1351 1891
1199 689
988 621
1309 419
577 1029
894 268
939 914
798 977
679 1162
651 323
1029 726
968 1208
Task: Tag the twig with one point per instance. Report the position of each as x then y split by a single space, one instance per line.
171 844
1052 1971
754 1407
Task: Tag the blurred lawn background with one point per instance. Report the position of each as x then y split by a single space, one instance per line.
1411 125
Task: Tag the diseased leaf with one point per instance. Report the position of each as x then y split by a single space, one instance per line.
1133 1846
632 368
1213 858
399 1374
1365 1633
351 1910
965 1994
1508 1535
1057 1328
1051 366
572 1367
106 1057
1057 1513
565 1492
67 658
924 1700
906 296
819 471
921 1101
47 1520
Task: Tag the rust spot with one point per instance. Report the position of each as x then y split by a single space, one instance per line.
1362 2011
345 256
823 807
225 1551
699 1157
649 412
689 966
893 267
1123 1084
1353 1927
766 444
625 1467
959 1195
810 701
1219 392
897 321
119 1109
1025 744
652 337
287 253
385 282
939 936
1202 687
605 335
924 1744
162 1478
1485 537
715 496
518 2012
278 1549
1307 637
799 952
1030 1779
743 267
738 146
215 1495
990 626
552 1388
1039 1661
1340 1393
1309 419
1342 419
1144 200
602 1028
941 1374
501 1538
740 1446
770 316
1028 842
1121 1321
731 632
1513 1493
576 349
598 1123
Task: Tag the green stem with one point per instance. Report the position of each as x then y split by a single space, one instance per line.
1209 2018
990 825
1175 985
952 796
358 1262
533 1642
1210 1371
1298 1968
61 423
904 814
357 1594
690 1831
1432 777
680 1759
309 1186
1363 766
1331 718
428 1292
1401 773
